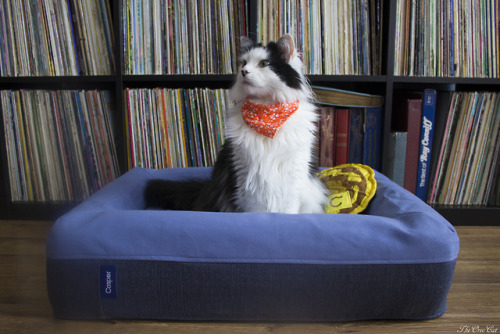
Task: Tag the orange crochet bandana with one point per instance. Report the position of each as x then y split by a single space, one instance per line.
267 120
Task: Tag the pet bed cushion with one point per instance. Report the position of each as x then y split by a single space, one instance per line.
110 258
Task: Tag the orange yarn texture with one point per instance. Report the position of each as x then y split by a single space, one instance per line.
267 120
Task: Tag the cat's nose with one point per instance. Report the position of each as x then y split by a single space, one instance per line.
244 72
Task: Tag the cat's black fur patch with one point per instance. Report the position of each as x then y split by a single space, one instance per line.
219 192
248 45
280 66
172 195
216 194
314 167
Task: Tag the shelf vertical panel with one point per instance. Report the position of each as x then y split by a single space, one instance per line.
4 170
119 122
252 19
390 34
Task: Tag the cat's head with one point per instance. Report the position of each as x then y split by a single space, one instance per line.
270 74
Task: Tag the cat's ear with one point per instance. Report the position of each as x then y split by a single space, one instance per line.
246 43
287 47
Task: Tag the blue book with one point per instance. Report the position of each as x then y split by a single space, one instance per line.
356 135
372 141
426 134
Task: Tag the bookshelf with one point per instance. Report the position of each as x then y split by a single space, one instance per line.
386 84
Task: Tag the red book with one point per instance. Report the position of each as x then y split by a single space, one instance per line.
327 140
341 136
414 114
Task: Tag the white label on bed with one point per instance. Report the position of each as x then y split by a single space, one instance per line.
108 282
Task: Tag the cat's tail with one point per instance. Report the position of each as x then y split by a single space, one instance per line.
172 195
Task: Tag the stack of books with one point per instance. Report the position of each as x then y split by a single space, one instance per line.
182 37
56 38
350 127
335 37
447 38
59 144
175 127
411 142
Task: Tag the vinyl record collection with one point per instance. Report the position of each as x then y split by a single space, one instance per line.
443 142
467 170
447 38
182 37
56 38
59 143
335 37
175 127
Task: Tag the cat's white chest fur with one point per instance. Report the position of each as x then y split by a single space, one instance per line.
273 173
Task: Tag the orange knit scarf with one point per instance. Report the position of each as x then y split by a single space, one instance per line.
267 120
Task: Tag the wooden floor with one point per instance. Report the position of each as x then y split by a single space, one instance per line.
473 301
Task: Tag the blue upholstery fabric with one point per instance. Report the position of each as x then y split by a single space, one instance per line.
396 261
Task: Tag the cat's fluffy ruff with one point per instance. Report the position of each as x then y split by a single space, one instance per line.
257 173
274 174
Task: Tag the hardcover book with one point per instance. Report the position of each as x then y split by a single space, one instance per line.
372 142
407 118
356 135
327 139
344 98
426 136
341 136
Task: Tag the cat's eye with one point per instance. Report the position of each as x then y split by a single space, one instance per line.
243 63
264 63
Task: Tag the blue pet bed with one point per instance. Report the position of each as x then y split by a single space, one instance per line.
110 258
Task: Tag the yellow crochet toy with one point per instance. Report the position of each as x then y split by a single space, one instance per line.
351 186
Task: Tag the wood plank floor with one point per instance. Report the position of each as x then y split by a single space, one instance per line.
473 301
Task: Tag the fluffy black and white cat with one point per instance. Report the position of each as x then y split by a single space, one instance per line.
261 167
